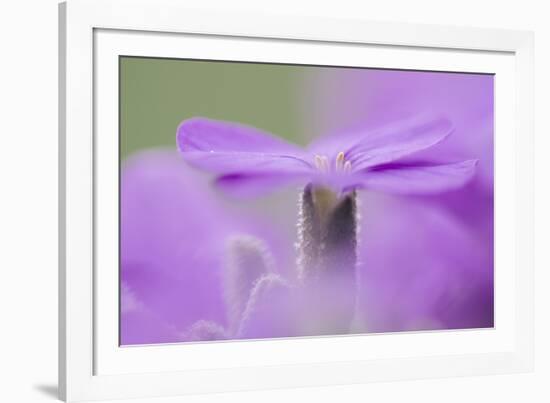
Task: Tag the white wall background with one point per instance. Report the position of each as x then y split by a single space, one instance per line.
28 199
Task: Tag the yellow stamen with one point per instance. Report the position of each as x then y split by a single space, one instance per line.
339 161
340 164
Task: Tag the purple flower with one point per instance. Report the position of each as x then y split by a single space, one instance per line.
249 161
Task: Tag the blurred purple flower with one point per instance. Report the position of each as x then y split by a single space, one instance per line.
249 161
174 231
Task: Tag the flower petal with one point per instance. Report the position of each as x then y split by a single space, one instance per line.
419 179
398 140
387 143
255 184
244 162
225 147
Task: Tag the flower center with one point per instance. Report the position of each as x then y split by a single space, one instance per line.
340 163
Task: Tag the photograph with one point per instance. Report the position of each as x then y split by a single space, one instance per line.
264 200
277 201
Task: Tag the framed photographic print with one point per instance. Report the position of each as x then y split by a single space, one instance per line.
265 202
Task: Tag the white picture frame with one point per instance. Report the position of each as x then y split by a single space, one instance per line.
91 366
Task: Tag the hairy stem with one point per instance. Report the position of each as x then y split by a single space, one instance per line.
327 232
327 253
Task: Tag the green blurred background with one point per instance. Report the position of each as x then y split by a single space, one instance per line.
157 94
